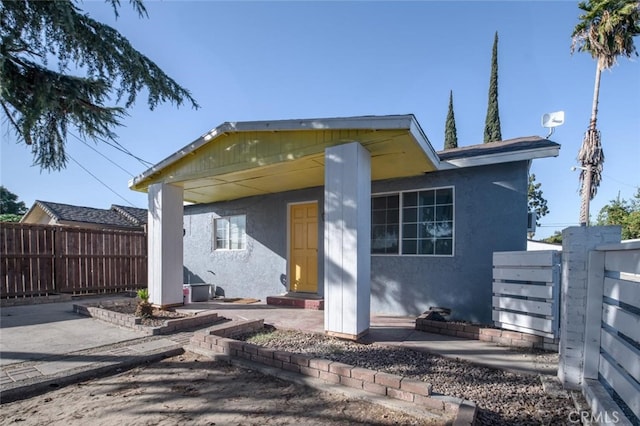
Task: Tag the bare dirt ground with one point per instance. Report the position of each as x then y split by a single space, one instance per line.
192 390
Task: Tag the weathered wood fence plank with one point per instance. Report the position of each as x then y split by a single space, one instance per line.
39 260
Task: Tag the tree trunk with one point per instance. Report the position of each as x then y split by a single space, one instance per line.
586 152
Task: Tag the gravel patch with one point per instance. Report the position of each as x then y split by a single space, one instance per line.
503 398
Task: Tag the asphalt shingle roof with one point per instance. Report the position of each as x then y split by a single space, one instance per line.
67 212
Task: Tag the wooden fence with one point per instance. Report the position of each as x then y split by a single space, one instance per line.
37 260
612 324
526 291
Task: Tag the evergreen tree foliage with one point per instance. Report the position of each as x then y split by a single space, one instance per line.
606 30
492 131
536 202
450 132
556 238
59 69
9 203
624 213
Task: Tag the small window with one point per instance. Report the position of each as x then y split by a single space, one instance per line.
230 233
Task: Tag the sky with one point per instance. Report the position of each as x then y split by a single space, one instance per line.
246 61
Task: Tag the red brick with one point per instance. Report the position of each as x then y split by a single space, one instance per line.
266 352
485 337
465 335
290 367
521 344
340 369
302 360
456 327
512 335
282 356
363 374
398 394
389 380
415 386
532 338
308 371
329 377
430 403
374 388
249 348
235 345
490 332
352 383
501 340
472 329
261 359
320 364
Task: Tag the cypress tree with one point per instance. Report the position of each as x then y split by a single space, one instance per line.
450 133
492 131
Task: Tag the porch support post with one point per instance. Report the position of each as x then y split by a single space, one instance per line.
347 241
165 245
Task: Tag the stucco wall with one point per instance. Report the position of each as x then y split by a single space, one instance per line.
261 269
490 215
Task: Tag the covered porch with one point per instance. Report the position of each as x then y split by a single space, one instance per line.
236 161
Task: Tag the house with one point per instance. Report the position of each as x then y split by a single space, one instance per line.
117 217
360 210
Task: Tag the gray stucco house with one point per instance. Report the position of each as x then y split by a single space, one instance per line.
360 210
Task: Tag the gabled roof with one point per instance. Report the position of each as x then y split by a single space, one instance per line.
70 214
241 159
134 214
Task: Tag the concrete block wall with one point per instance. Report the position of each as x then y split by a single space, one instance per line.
577 241
128 321
502 337
216 342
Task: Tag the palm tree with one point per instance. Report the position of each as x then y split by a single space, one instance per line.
606 31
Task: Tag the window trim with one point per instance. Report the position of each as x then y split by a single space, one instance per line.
214 238
400 230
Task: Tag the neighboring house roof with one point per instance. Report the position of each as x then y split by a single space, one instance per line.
240 159
134 214
67 214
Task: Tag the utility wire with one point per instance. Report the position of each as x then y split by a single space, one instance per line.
119 147
104 184
101 154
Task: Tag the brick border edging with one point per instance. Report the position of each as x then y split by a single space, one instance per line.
487 334
217 342
128 321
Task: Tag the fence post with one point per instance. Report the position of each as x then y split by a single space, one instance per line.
593 319
577 241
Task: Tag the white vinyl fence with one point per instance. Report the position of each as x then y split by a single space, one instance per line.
526 291
612 340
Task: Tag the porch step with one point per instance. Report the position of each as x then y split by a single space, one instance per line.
296 302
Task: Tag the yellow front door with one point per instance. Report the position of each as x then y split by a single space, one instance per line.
303 243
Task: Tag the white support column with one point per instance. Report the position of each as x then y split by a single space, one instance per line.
347 241
577 242
165 244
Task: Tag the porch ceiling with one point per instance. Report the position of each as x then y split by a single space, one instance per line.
235 164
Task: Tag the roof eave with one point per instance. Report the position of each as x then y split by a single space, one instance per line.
497 158
388 122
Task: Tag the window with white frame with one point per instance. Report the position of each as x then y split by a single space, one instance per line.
413 223
230 232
